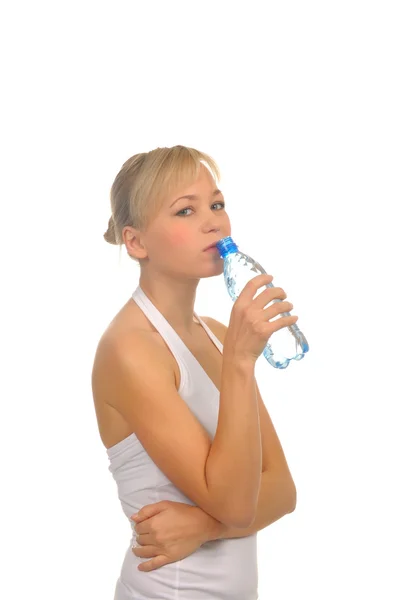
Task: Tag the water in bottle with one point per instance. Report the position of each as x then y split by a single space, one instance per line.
287 343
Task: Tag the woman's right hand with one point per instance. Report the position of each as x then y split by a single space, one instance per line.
249 327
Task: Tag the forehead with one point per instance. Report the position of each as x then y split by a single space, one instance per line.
189 184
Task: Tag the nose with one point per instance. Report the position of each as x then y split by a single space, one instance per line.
211 229
214 222
211 224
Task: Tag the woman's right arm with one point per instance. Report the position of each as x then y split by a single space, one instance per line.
221 477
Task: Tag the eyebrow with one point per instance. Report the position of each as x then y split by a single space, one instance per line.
194 197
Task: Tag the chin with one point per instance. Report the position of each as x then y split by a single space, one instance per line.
215 269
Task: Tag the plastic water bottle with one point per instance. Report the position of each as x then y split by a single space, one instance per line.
287 343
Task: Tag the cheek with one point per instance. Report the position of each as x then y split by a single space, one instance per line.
179 236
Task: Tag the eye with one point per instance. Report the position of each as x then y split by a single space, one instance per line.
222 204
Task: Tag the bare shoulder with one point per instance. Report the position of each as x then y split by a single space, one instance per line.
136 345
144 346
130 331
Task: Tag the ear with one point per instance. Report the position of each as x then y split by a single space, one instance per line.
133 240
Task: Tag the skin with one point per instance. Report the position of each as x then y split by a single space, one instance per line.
171 249
172 262
169 531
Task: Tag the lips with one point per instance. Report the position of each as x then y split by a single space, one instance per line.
211 246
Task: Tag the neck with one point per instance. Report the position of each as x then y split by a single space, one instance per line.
175 299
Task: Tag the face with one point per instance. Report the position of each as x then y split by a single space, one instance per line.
190 220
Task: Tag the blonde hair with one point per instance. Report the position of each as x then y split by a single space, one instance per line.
145 180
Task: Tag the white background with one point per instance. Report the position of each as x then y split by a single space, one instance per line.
297 101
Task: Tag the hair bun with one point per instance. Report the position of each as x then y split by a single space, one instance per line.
110 234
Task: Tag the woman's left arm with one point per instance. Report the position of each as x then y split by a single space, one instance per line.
276 499
170 531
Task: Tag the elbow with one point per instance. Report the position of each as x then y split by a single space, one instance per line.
244 521
291 497
241 520
288 492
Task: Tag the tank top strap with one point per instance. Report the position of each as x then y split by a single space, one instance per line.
184 357
164 327
210 333
161 324
158 321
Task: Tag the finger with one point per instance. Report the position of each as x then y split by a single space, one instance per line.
150 510
252 286
283 322
135 519
155 563
142 528
144 539
268 295
138 518
146 552
276 309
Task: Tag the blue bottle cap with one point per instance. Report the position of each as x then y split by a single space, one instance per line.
226 246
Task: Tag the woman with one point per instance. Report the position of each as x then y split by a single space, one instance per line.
190 443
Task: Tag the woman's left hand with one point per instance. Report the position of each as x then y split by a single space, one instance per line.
169 531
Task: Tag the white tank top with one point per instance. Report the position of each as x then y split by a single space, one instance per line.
219 570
